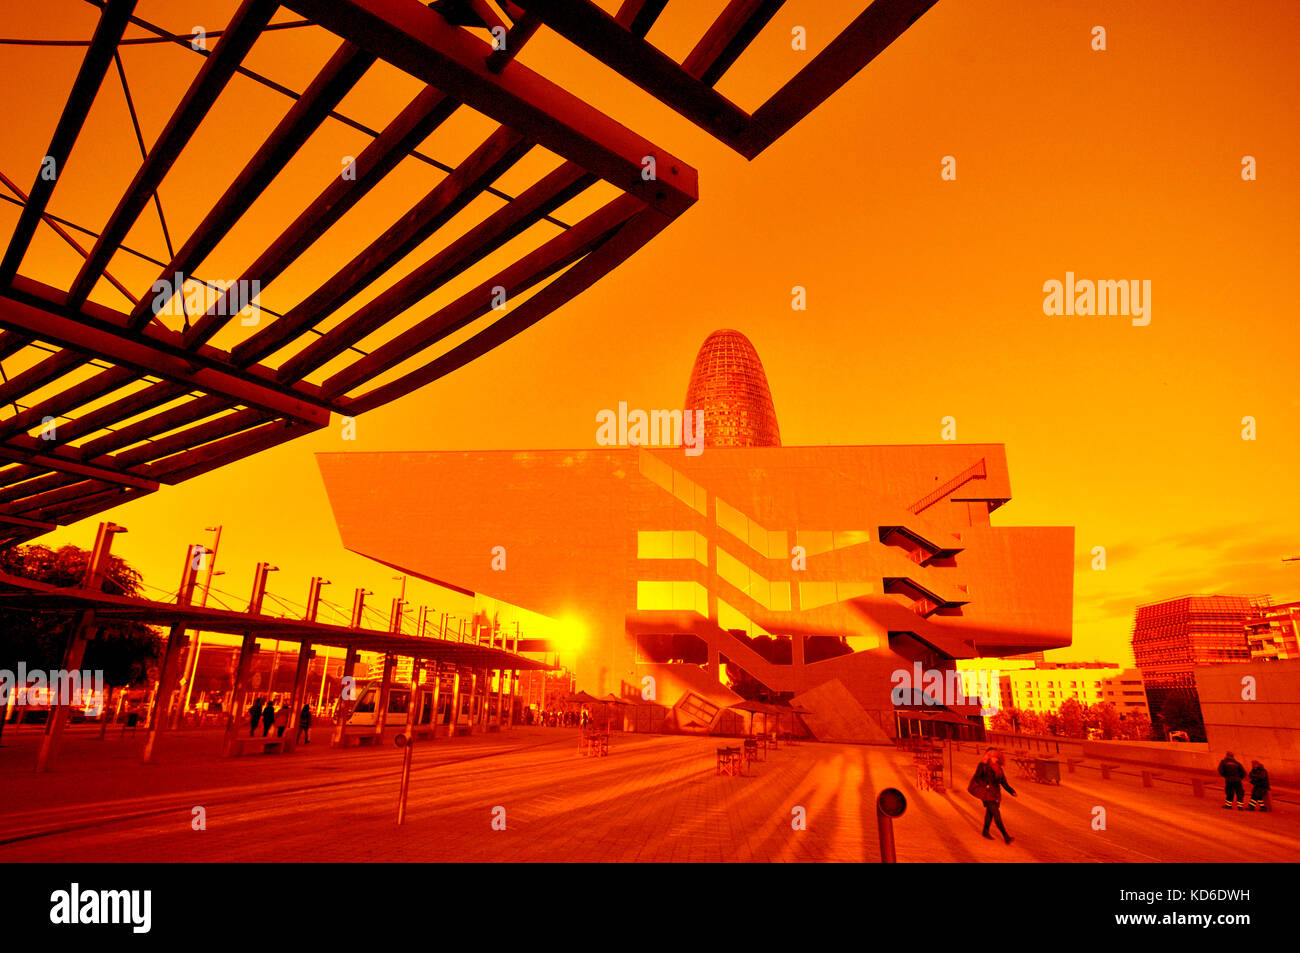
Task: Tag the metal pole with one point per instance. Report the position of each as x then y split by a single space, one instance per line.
889 805
161 712
408 744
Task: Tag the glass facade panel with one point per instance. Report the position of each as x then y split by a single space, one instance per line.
654 544
814 594
815 542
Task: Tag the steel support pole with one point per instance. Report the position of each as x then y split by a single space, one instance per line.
233 721
385 688
350 659
167 684
454 711
437 691
52 740
93 579
305 655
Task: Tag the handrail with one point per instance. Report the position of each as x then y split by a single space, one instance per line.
934 496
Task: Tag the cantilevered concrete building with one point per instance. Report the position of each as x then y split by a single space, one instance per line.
747 571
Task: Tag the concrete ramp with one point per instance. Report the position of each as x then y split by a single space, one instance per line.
835 715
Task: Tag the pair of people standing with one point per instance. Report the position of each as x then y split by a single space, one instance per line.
264 712
1233 774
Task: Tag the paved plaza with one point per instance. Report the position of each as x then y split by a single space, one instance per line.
653 798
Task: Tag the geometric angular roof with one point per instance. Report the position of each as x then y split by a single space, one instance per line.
120 384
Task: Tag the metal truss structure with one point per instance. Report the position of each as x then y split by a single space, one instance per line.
159 401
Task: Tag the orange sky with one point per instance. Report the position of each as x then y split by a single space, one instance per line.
925 296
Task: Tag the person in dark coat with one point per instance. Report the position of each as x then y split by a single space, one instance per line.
1259 799
304 724
268 718
254 715
987 785
1232 772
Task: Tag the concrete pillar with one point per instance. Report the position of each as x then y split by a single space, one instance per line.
501 694
305 655
168 681
235 720
485 679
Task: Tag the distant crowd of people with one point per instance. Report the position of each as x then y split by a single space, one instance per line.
557 718
1234 793
265 713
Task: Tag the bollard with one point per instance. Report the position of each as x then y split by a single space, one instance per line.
1070 764
1198 787
889 805
1149 779
1105 771
403 742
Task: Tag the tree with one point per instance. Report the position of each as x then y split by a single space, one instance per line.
1072 719
1134 727
1001 720
1107 720
122 649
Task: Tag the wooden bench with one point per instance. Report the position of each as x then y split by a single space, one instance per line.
268 744
731 761
358 738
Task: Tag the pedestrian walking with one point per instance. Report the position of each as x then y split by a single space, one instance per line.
304 724
987 784
1259 796
282 719
254 716
268 717
1232 772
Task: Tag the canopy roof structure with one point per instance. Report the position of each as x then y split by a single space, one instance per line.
19 593
135 370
